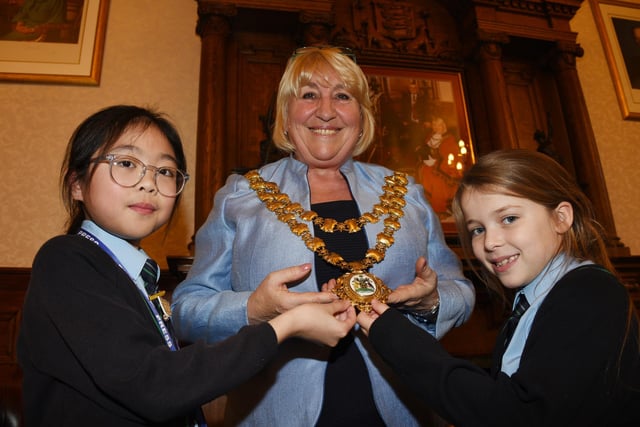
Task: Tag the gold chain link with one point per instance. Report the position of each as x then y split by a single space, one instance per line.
391 204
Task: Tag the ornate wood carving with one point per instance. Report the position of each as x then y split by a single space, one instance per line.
213 28
501 39
402 32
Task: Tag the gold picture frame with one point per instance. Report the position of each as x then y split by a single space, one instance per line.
406 130
67 51
617 22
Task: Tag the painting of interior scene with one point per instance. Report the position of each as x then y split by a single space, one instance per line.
628 34
422 131
50 21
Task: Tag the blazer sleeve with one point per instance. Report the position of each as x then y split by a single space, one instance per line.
568 370
86 324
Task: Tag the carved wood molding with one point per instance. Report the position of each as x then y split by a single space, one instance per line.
278 5
539 20
212 19
565 9
400 30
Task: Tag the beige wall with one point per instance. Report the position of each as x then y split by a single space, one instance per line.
618 140
151 58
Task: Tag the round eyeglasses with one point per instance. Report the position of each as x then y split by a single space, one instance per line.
128 171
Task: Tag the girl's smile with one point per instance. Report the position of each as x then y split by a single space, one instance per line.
504 263
513 237
143 208
131 213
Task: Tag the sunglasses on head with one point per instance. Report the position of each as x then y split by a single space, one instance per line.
343 50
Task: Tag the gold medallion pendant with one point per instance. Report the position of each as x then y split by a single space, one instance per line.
357 285
361 288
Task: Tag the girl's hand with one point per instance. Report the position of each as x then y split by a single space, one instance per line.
419 296
365 320
329 286
273 297
321 323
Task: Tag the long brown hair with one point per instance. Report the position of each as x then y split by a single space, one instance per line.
539 178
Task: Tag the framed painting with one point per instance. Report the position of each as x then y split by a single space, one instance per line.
52 41
422 130
618 24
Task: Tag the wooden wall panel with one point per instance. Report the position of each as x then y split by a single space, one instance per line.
524 100
10 314
13 286
260 62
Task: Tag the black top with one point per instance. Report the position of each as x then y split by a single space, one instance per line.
580 365
348 398
92 355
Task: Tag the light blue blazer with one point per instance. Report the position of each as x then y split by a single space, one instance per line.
241 242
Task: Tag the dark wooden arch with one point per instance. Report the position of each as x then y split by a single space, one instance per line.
518 59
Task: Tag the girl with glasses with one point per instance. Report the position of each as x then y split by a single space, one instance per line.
573 357
95 346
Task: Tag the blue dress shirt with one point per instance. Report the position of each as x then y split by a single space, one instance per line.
130 258
535 292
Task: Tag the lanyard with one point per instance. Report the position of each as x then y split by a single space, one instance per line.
155 311
155 307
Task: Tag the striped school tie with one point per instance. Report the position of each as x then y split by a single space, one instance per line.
507 332
149 276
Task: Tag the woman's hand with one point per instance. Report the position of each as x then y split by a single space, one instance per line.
321 323
273 297
419 296
329 286
365 320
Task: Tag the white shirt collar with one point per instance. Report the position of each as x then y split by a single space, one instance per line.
130 258
535 292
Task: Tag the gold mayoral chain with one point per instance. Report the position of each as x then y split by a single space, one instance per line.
357 285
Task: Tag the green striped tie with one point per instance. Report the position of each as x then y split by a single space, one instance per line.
149 276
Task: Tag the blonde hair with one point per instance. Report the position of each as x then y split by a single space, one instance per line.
539 178
301 68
